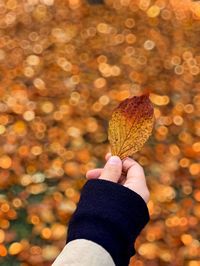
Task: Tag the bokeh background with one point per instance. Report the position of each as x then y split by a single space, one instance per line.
64 66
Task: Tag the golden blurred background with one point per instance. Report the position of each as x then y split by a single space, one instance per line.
64 66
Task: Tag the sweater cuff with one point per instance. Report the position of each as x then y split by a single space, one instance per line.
110 215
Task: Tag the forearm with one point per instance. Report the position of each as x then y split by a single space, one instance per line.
107 221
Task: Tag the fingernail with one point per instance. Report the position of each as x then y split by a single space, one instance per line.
114 160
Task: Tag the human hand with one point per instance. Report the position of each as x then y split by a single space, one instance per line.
126 172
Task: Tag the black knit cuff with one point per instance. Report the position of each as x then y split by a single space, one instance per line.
110 215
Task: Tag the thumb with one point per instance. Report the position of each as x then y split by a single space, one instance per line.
112 169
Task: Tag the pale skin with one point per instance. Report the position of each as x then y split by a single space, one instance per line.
126 172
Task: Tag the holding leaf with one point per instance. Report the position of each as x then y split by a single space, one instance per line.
130 125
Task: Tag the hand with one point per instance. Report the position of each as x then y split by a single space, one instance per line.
127 172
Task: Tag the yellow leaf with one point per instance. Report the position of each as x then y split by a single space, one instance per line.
130 125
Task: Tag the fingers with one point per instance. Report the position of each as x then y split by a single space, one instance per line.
132 168
94 173
132 176
135 179
127 164
112 169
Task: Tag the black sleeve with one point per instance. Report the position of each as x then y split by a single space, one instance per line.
110 215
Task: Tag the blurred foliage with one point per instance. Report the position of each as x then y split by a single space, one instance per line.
64 66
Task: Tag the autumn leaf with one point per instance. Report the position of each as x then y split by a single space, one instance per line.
130 125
